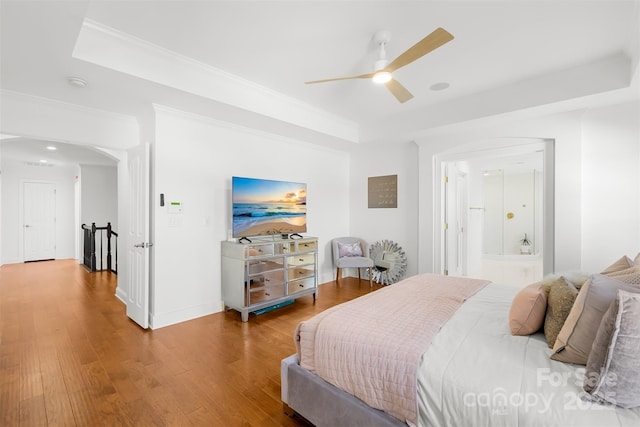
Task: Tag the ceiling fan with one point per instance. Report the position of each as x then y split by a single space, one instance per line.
383 68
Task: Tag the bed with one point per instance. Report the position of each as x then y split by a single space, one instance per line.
469 371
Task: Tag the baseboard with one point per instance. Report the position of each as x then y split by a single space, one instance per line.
121 295
161 320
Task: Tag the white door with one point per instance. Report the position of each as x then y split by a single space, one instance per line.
138 235
39 220
455 221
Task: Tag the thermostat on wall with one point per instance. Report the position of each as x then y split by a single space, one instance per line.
175 207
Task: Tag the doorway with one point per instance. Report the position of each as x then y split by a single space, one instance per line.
496 213
42 180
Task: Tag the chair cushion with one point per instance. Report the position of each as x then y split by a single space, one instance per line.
354 262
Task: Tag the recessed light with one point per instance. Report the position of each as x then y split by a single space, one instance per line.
43 161
51 148
77 82
439 86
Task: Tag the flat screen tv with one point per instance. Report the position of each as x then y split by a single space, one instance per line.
263 207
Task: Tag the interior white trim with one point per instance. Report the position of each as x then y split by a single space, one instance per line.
108 47
161 320
43 118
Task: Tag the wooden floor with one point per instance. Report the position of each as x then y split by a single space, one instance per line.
69 356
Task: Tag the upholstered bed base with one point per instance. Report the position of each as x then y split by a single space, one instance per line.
323 404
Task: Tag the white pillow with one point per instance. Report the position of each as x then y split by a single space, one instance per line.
349 249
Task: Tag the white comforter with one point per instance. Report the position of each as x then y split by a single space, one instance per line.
476 373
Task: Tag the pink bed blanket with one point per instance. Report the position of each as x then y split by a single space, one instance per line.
371 346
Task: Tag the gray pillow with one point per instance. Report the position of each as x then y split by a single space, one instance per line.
613 368
573 343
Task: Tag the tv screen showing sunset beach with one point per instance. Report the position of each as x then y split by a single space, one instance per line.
264 207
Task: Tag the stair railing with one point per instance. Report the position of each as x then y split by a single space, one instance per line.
105 235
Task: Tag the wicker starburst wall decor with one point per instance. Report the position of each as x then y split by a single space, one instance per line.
389 262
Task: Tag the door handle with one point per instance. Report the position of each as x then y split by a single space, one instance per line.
143 245
27 226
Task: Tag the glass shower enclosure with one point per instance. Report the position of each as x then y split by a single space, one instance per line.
512 212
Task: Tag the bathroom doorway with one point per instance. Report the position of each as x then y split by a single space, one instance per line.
497 213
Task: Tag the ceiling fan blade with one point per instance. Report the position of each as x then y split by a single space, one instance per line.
360 76
431 42
399 91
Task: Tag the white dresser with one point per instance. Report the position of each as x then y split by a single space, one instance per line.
267 272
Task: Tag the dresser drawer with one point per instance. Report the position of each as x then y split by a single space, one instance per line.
263 249
267 279
300 273
307 246
285 247
265 294
301 259
300 285
259 267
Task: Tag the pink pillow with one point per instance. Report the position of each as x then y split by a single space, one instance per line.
528 309
349 249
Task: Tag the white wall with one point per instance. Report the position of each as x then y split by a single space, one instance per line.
396 224
99 205
194 160
1 205
610 190
573 132
99 195
14 174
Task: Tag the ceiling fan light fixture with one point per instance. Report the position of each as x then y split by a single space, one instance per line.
384 68
381 77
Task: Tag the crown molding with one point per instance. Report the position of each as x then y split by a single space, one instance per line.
44 118
119 51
